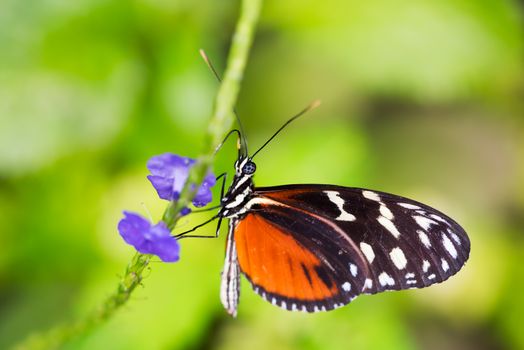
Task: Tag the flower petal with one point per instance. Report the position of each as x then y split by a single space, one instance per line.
149 239
185 211
169 173
165 164
180 175
204 195
163 186
167 249
131 228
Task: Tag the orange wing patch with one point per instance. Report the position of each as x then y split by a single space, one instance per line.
276 262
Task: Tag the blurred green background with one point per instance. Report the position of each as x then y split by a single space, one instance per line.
420 98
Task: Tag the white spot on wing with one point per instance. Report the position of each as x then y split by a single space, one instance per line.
398 258
438 218
389 225
353 269
346 286
371 195
424 239
334 196
408 206
410 275
449 246
368 251
432 276
411 281
284 305
424 222
385 280
385 212
455 237
425 265
445 265
368 284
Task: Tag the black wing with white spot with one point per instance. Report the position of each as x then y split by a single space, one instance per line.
406 244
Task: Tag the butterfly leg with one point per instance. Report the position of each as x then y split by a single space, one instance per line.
223 188
184 234
215 207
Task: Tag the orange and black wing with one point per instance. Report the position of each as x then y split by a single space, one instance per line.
406 244
296 259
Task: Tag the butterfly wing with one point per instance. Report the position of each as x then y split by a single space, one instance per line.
406 244
297 259
230 285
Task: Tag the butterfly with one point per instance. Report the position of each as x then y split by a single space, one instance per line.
314 247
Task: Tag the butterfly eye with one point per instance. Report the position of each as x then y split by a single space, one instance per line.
249 168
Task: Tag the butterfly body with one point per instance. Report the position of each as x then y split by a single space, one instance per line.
235 201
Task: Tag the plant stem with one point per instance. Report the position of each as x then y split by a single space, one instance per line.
220 123
223 113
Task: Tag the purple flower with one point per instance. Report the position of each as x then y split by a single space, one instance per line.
169 172
148 238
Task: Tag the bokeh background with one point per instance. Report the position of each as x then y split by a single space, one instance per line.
420 98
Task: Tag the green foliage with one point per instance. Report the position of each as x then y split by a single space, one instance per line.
421 99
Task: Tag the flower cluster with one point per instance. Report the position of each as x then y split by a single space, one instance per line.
169 172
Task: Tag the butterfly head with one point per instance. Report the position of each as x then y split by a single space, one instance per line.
244 166
249 168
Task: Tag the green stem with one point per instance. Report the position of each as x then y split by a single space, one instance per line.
223 112
220 123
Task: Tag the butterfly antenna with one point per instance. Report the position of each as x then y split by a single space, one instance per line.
311 106
243 142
